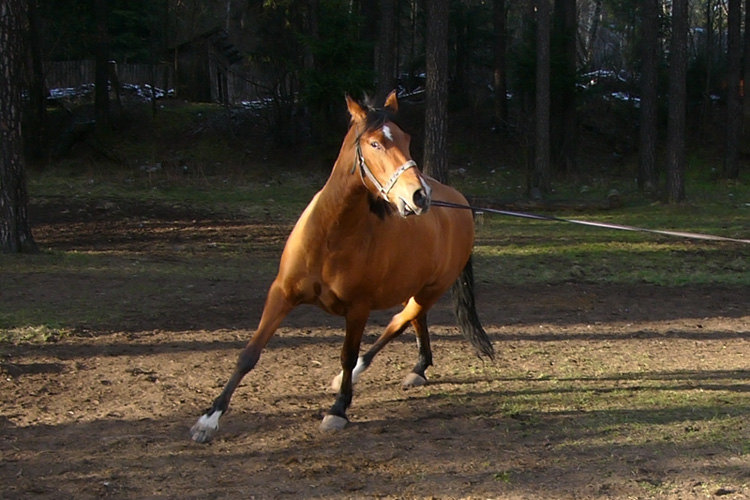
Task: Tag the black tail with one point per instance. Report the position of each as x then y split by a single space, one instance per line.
466 312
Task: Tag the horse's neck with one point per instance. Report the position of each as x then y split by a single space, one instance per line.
344 199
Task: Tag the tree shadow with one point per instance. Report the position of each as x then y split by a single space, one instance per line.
426 447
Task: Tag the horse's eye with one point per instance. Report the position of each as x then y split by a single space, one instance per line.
375 144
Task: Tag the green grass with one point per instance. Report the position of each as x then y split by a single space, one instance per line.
76 291
508 250
282 193
627 410
33 334
522 251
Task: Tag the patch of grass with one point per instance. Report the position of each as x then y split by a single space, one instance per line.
508 250
103 289
518 251
38 334
281 195
503 476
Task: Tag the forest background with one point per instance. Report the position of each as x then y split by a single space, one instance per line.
160 199
554 91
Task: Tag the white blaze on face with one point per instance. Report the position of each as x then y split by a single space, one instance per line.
387 132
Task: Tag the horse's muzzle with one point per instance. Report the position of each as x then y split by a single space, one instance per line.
418 205
421 199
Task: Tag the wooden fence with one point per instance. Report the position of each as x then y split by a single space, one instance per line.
237 86
65 74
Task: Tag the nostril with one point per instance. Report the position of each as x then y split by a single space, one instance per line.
421 199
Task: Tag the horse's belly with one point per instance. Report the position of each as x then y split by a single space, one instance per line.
378 289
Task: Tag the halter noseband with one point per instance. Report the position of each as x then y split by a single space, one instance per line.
364 171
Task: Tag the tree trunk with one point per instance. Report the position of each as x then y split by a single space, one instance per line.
37 121
706 105
593 32
540 179
413 16
461 38
15 233
310 29
499 16
385 62
564 137
647 178
746 78
677 103
734 105
101 55
435 160
368 32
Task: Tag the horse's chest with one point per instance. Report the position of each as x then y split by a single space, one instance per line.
344 266
381 280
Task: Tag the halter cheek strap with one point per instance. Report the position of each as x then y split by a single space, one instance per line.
364 171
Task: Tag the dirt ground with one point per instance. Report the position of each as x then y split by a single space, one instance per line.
573 406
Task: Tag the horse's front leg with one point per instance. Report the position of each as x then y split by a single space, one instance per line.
276 308
355 326
412 312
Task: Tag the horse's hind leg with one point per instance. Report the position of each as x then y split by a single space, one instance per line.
417 375
276 308
411 312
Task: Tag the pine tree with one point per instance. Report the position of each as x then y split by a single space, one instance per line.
436 111
15 234
677 103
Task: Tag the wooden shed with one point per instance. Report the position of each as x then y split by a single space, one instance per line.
202 68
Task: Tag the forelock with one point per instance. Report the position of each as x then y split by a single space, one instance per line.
377 117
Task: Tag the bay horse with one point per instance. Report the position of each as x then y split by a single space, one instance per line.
369 240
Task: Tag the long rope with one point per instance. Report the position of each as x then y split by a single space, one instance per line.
620 227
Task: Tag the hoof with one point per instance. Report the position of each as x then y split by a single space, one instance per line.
413 380
333 423
205 428
201 435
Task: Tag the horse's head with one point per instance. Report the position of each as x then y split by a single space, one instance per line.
383 158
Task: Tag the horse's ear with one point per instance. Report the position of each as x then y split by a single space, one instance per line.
391 103
355 110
